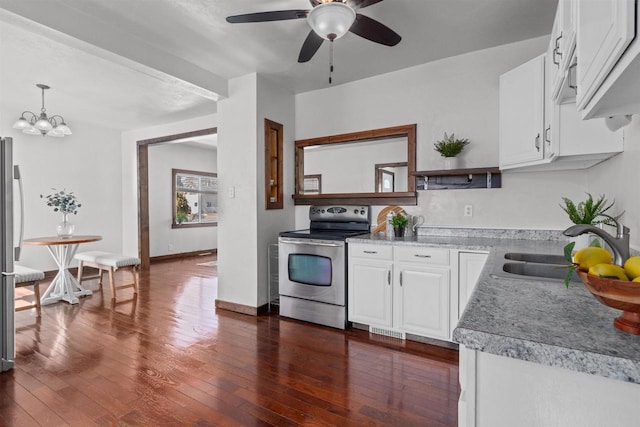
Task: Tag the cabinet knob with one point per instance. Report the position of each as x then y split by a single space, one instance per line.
538 143
388 277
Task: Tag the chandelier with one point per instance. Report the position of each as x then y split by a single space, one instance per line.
34 124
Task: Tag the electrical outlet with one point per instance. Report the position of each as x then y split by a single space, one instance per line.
468 210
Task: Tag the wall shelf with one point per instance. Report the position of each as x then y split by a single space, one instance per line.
458 179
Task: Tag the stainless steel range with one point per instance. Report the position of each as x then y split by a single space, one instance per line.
313 264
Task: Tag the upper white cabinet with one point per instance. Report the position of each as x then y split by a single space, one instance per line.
522 114
608 65
538 134
561 56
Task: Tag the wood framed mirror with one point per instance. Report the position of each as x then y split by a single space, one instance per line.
351 167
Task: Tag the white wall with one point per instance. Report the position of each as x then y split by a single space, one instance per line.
87 163
618 178
248 227
129 161
163 239
237 172
454 95
277 104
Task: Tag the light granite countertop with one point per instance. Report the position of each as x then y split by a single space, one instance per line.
533 319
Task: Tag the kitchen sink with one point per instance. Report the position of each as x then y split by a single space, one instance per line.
522 265
547 271
536 258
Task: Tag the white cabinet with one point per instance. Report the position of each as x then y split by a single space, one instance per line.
605 28
538 134
506 391
561 55
370 288
422 291
470 265
522 114
403 289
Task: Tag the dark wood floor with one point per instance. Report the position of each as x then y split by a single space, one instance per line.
169 358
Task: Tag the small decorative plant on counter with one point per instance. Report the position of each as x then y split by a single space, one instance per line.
65 202
449 148
399 222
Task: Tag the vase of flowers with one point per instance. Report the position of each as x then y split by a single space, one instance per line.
66 203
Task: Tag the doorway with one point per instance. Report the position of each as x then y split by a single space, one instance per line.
143 188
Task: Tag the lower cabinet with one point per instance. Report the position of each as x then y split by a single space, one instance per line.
403 289
421 297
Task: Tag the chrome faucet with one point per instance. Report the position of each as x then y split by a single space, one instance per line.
619 244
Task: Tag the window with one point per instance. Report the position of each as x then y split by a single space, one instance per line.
312 184
195 199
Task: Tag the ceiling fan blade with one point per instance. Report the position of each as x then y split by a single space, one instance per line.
276 15
360 4
310 46
373 30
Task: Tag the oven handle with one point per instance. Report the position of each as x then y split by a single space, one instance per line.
331 245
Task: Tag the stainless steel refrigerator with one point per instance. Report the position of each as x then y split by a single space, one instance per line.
10 174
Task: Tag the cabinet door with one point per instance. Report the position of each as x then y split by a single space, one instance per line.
522 114
470 265
370 292
604 30
421 296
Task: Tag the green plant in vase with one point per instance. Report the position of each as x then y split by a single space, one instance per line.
591 212
449 148
399 222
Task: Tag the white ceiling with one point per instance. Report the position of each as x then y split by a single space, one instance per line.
191 40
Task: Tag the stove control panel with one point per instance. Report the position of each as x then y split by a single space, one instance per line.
340 213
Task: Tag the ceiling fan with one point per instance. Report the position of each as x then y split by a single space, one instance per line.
329 20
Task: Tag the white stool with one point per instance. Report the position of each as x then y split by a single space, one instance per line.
107 261
25 276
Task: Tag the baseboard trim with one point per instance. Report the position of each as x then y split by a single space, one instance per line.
241 308
172 257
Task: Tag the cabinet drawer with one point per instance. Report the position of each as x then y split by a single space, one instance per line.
422 255
371 251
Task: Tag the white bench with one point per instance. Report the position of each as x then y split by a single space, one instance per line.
25 276
107 261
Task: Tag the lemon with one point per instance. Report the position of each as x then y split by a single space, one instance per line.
632 267
590 256
637 279
610 271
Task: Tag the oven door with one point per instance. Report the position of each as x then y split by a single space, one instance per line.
312 269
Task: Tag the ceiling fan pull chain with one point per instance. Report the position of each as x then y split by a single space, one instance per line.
330 61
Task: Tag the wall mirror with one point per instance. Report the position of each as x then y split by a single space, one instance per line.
372 167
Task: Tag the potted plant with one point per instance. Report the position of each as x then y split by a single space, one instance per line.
449 148
589 211
399 222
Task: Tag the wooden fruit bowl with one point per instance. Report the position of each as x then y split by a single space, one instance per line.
618 294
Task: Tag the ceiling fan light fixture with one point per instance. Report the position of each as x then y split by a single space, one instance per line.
331 20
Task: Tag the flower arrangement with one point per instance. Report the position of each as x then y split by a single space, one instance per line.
450 146
63 201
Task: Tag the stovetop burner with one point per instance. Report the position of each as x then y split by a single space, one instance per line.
322 234
334 223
